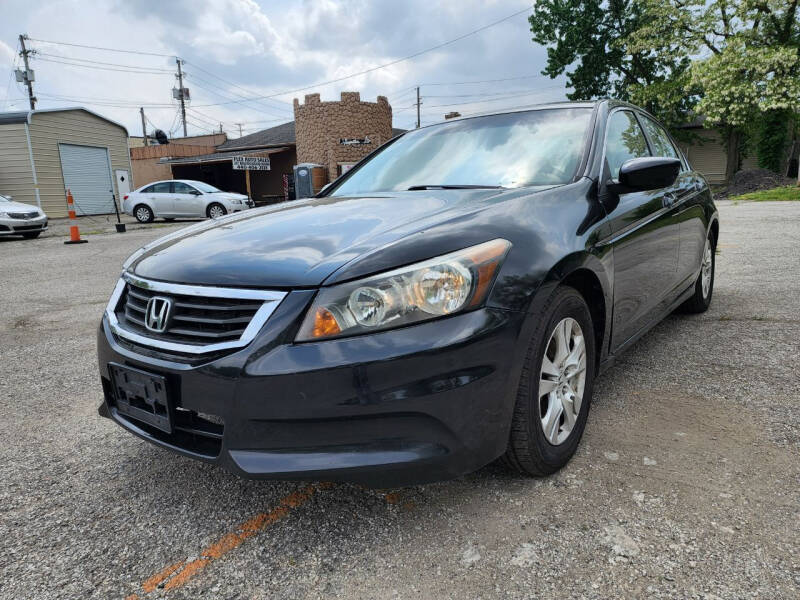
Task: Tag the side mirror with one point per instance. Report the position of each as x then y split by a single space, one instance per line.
646 173
195 193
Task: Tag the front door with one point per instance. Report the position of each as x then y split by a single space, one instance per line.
644 234
188 201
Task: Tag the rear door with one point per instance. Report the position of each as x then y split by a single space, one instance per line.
160 196
643 232
188 200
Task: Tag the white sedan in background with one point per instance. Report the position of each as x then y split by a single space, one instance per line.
182 198
17 218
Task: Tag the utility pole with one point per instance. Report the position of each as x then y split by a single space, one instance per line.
240 128
181 94
220 127
418 103
144 128
26 76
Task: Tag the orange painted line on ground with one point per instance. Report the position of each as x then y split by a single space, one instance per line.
181 572
153 582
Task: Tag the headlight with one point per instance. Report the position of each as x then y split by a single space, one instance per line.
235 201
427 290
3 215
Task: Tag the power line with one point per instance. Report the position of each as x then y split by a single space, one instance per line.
101 48
496 99
196 66
315 85
142 71
484 80
97 62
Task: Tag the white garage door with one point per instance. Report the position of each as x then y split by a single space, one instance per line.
87 175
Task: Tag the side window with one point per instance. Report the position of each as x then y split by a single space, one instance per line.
624 141
179 187
662 145
159 188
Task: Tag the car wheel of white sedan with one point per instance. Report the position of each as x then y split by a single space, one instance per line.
216 210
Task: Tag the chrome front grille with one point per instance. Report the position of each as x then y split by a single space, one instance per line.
201 319
193 319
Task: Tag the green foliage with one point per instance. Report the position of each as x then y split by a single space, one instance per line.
772 139
589 41
732 61
786 193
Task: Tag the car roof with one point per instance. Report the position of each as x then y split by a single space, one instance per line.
189 181
526 108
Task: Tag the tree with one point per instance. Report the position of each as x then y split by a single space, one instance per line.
747 63
589 40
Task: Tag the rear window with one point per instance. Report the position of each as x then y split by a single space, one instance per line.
165 187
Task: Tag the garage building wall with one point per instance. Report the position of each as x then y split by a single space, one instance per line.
79 127
16 177
708 155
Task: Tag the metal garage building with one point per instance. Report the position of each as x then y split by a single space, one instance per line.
45 152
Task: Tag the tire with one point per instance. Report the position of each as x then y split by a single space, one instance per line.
143 213
701 299
215 210
529 449
32 235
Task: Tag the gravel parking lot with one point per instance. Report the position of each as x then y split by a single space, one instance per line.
685 485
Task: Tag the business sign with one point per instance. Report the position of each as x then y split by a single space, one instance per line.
355 141
251 163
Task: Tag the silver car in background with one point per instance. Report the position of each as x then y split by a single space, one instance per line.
17 218
181 199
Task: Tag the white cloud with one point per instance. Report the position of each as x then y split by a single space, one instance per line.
269 47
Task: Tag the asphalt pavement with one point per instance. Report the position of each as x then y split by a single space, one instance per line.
685 485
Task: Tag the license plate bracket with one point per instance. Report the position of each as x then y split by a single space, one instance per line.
142 396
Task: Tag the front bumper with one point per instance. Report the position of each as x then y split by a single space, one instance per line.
418 404
20 226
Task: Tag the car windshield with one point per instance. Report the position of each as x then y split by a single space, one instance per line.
205 188
539 147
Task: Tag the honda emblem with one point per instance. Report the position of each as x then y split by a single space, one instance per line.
157 314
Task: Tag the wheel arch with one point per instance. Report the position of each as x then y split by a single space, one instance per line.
586 273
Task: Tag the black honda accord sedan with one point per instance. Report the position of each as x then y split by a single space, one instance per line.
448 301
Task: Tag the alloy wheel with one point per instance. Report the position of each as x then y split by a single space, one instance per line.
216 211
143 214
707 268
562 380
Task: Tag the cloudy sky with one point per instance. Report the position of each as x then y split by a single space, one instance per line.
236 52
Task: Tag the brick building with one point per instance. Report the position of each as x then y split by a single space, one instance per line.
340 133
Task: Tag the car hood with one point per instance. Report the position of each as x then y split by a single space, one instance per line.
226 195
17 207
301 243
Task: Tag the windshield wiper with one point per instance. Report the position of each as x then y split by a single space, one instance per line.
454 187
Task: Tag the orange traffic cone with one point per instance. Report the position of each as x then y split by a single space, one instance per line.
74 234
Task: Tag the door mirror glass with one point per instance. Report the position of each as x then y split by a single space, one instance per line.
195 193
648 173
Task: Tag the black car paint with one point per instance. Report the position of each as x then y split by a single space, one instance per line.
433 400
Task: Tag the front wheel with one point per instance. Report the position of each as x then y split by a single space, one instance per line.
215 210
555 388
704 286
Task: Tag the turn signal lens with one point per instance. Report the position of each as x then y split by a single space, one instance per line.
325 324
433 288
